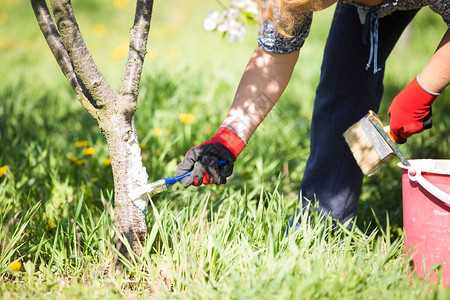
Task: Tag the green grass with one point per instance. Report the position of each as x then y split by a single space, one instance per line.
209 242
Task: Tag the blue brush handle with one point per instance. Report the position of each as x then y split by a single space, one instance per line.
173 180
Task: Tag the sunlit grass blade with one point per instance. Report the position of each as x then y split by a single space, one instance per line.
11 244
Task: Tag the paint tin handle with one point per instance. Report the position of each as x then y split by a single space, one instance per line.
415 175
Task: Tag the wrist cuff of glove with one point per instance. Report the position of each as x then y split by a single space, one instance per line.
417 91
230 140
424 88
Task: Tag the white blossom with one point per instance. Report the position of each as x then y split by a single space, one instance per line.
237 32
230 21
245 5
233 13
211 21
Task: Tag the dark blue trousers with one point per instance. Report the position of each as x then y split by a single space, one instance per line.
344 95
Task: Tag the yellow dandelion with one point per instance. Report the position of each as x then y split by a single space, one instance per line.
171 28
3 18
120 51
174 52
81 144
50 225
187 118
3 170
72 159
99 29
157 131
152 54
7 44
89 151
12 3
121 3
142 146
159 153
81 162
107 162
94 179
15 266
29 45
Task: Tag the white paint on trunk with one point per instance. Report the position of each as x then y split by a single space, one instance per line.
135 167
134 175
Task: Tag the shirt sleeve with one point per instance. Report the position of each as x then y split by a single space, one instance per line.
273 41
442 8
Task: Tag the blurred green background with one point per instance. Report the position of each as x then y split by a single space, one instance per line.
208 242
187 71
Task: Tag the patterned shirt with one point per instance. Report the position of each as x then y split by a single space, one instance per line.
270 40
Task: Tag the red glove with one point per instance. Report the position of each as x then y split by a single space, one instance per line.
410 111
203 160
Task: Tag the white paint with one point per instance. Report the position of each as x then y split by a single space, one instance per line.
137 174
136 167
141 204
140 192
440 212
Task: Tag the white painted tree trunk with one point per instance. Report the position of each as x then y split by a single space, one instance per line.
114 111
128 173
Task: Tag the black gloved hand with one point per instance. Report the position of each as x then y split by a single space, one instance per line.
203 160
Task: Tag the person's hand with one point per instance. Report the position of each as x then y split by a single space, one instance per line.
410 111
203 160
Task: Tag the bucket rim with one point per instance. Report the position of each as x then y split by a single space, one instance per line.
427 165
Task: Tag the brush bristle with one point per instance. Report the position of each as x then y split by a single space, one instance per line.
363 150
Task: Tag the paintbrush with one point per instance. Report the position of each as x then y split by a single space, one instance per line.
156 187
371 144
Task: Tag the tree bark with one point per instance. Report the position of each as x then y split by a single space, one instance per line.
128 173
114 111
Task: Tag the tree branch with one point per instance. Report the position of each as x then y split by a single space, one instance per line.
82 60
137 50
58 50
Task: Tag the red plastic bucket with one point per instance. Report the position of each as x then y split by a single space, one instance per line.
426 216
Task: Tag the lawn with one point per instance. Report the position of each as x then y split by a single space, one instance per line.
56 188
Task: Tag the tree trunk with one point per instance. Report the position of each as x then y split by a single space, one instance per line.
128 173
114 111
